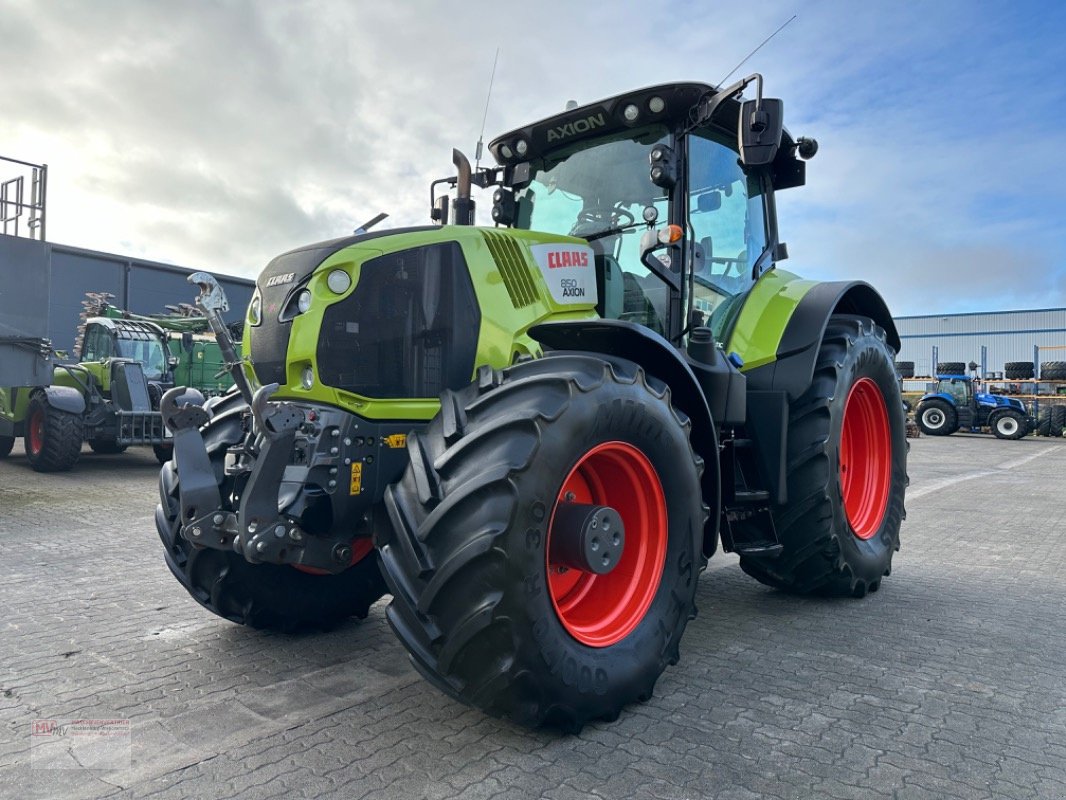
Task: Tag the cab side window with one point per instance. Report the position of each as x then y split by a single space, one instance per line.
727 225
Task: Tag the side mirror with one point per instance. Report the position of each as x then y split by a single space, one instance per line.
172 362
709 201
653 240
759 130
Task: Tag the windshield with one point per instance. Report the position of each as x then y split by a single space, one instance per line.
599 191
148 351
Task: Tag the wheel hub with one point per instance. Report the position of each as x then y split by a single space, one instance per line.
587 537
599 603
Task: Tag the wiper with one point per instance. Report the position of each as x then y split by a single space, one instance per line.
612 231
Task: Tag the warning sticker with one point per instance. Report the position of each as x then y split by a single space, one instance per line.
569 270
395 441
356 486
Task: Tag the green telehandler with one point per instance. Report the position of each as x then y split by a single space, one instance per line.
110 396
533 435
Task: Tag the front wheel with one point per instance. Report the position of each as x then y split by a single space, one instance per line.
1009 425
546 540
53 437
937 418
847 457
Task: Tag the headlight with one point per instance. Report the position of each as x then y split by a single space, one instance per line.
303 301
338 281
255 309
307 378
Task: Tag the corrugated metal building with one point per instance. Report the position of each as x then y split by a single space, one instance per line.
1004 335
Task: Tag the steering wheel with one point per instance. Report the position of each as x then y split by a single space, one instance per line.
592 220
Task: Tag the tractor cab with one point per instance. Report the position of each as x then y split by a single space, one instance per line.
958 389
670 188
108 340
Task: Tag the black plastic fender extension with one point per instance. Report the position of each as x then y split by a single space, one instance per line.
65 398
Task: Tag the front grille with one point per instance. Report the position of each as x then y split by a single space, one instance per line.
409 329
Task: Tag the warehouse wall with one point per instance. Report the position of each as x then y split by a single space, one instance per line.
138 285
1006 335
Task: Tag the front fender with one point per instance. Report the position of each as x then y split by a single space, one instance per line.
65 398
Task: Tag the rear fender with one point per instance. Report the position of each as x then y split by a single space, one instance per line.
797 349
627 340
778 334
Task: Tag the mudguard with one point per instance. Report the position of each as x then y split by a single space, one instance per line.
797 349
65 398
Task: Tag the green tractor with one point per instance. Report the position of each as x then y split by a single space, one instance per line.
533 435
110 396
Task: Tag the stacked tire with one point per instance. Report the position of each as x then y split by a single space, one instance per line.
905 369
951 368
1018 370
1053 371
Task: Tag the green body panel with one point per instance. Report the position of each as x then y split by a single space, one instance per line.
766 312
199 367
503 333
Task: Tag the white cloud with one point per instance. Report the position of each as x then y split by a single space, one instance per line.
217 135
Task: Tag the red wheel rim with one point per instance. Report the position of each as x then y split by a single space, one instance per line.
37 432
865 458
601 610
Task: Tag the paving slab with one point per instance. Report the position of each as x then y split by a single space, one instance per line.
950 682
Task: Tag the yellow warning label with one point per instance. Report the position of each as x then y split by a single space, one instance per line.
395 441
356 486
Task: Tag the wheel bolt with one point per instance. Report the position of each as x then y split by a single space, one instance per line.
261 547
218 519
279 530
195 531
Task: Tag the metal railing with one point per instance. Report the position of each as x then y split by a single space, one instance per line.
22 211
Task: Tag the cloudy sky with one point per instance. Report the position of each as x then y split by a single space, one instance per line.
218 134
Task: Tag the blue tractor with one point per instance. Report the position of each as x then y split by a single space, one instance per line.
959 404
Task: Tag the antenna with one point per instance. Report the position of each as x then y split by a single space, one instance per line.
756 50
484 118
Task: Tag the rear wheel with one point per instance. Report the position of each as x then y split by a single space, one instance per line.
1043 422
267 596
1058 421
937 418
1009 425
6 443
495 561
53 437
847 456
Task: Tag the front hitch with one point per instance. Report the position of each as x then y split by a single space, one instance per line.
258 531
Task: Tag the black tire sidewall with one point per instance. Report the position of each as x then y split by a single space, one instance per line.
631 665
869 357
